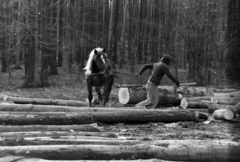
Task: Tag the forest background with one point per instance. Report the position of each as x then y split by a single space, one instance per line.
43 37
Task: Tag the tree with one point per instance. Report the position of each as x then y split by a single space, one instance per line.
233 38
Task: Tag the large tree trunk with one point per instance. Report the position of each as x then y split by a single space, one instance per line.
135 95
174 150
128 116
131 94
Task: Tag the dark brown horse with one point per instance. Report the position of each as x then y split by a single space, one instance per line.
99 73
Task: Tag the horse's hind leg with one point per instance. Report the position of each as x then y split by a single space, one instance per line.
90 96
99 95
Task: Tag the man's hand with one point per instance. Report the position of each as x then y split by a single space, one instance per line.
177 85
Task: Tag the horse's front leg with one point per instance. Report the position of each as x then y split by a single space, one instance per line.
107 91
90 96
105 96
98 90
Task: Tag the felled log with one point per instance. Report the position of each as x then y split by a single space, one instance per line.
45 118
223 114
145 115
42 101
58 134
32 159
197 105
225 90
136 95
128 116
19 128
51 108
232 94
213 107
213 98
190 150
24 141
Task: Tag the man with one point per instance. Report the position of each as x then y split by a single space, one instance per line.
159 69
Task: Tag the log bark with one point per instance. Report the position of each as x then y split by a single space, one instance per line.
167 150
225 90
50 108
58 133
223 114
213 107
45 118
32 159
136 95
144 115
86 128
197 105
42 101
213 98
128 116
24 141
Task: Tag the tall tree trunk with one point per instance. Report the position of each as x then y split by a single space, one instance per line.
30 53
37 82
53 40
46 39
130 35
122 46
111 28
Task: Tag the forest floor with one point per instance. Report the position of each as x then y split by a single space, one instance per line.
73 86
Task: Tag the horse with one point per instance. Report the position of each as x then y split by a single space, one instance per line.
99 72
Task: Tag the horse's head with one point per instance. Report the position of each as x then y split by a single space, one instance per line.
102 61
98 61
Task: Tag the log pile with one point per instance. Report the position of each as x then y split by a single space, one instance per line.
131 95
196 98
45 132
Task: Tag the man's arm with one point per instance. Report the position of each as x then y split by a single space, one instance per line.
145 67
169 74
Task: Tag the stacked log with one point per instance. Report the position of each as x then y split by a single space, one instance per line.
223 114
47 133
167 94
42 101
128 116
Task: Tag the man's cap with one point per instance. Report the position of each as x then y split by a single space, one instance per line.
167 57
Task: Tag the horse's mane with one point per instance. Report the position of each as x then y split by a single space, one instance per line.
88 66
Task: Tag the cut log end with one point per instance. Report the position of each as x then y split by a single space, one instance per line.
123 95
228 115
223 114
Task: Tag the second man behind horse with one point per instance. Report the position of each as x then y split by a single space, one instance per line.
159 69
